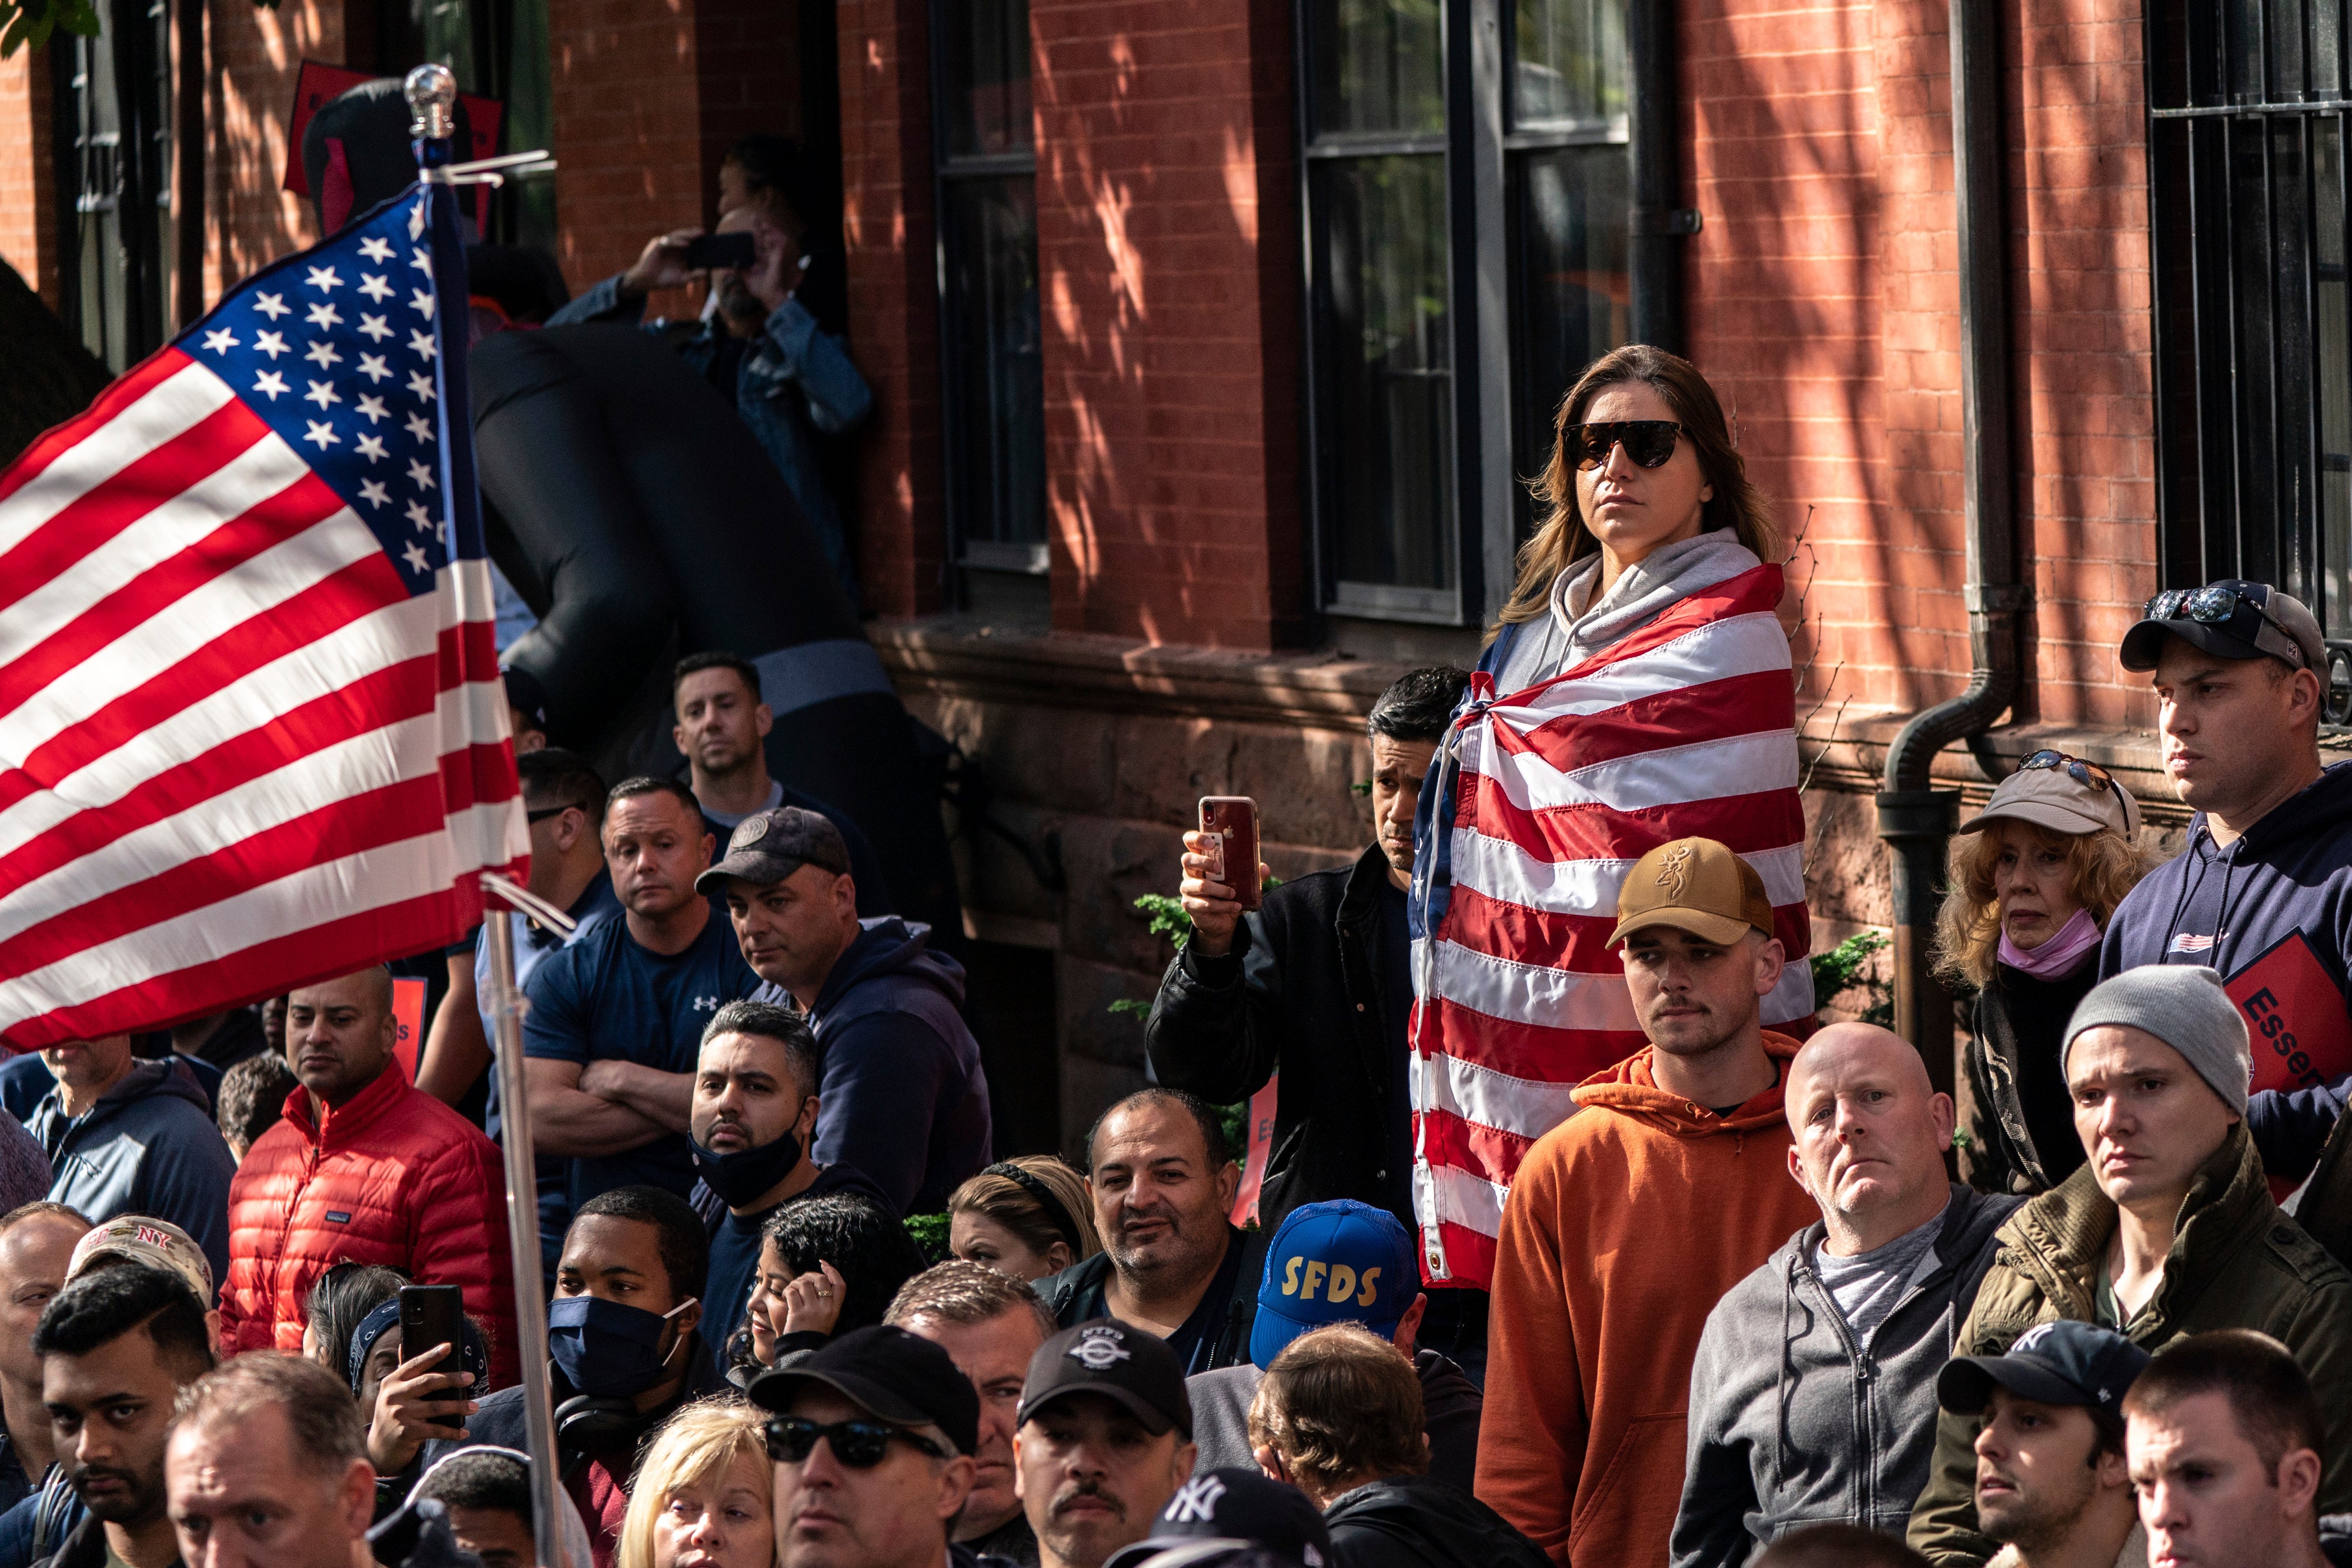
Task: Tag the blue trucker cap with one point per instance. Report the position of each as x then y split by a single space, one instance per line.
2063 1363
1336 1262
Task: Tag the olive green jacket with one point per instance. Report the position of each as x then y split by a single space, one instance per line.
2236 1262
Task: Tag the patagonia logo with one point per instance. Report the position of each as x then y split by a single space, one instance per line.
1335 1282
337 1217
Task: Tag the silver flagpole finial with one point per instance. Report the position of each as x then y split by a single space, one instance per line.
431 93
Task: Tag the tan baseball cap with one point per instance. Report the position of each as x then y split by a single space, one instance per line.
1695 885
157 1243
2050 798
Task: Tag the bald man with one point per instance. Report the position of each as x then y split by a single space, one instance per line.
1814 1397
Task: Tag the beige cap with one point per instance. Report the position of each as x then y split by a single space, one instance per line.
157 1243
2050 798
1695 885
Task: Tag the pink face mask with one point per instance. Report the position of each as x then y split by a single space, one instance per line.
2058 957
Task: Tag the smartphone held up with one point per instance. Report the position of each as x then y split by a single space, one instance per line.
1230 824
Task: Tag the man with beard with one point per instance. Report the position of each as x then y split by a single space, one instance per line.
1104 1439
117 1346
2051 1486
1171 1262
722 720
991 1326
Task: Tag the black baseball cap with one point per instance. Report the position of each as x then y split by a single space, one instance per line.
2231 618
526 695
1118 1361
2065 1362
1238 1506
891 1375
768 846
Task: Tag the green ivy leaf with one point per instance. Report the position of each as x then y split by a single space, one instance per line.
930 1233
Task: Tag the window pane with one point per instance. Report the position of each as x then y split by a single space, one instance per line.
1379 65
1576 292
1570 62
999 382
986 48
1387 375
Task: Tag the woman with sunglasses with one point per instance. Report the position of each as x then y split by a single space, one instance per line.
703 1492
2035 877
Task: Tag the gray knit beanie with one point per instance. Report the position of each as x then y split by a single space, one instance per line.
2182 1004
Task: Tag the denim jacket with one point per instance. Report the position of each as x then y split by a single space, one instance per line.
794 385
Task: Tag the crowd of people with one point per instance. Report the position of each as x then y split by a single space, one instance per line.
1739 1309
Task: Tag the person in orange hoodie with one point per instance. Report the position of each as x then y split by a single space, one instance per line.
1667 1185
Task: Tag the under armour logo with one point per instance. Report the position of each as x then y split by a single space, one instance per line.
1197 1503
1672 869
1099 1349
706 1004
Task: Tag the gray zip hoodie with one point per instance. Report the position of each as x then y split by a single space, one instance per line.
1792 1423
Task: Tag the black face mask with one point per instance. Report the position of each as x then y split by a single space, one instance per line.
741 1176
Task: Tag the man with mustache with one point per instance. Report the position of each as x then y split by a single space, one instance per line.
1171 1262
2051 1485
2263 894
1830 1350
1317 986
2167 1230
1104 1439
117 1346
992 1325
1666 1186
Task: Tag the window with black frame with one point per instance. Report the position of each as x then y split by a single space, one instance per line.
2248 197
1403 244
113 108
993 381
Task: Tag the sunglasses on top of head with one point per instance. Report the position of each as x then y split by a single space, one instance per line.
2089 775
1648 442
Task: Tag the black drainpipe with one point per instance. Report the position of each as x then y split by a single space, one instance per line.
1916 819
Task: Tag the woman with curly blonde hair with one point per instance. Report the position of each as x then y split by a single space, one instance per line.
2035 877
703 1491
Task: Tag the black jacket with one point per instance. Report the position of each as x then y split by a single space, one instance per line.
1076 1296
2020 1125
1420 1521
1302 991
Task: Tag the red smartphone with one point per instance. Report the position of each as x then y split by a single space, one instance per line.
1229 823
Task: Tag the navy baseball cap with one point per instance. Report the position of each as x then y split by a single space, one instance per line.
2065 1362
768 846
1336 1262
1235 1506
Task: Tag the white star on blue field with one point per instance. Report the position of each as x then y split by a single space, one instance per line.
323 347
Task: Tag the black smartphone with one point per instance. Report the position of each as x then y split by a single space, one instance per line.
435 1315
735 252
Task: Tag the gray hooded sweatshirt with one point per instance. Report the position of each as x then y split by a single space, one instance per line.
148 1147
1792 1423
1583 621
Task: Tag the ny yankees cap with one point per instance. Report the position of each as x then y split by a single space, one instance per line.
1339 1261
1695 885
888 1372
1235 1506
768 846
2065 1362
1117 1360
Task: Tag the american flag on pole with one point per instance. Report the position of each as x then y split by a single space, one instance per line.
1686 728
252 732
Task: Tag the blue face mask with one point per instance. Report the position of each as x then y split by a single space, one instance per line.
606 1349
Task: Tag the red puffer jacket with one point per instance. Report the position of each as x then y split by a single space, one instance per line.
395 1177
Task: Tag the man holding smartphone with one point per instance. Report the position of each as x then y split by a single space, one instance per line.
1317 985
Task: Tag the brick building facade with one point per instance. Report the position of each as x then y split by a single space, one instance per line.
1172 623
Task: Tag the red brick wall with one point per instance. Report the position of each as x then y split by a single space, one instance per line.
627 132
27 193
1824 302
887 227
253 56
1167 254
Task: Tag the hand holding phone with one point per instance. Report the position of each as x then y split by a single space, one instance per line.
432 1315
735 252
1229 823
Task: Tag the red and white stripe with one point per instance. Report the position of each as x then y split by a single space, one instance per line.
235 755
1686 728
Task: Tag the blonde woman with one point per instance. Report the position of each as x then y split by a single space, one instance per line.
2034 877
1028 1217
703 1492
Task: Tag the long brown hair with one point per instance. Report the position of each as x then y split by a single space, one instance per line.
1562 539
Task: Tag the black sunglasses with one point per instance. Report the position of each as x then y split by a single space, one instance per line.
546 811
2089 775
860 1445
1648 442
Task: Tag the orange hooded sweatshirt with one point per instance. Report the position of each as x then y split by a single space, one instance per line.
1626 1225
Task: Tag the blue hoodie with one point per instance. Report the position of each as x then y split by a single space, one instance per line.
2273 913
902 1094
148 1147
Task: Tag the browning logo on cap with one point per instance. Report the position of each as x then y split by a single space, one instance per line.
1673 868
1100 1348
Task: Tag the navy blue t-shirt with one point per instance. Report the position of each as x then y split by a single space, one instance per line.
607 996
